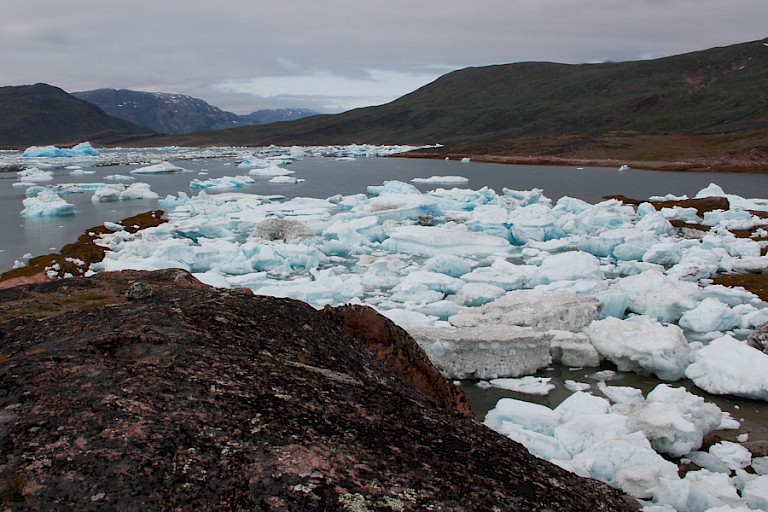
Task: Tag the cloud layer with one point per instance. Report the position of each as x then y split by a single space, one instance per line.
334 55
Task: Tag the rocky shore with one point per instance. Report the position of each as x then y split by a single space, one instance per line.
150 391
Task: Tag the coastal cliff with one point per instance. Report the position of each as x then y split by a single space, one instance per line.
151 391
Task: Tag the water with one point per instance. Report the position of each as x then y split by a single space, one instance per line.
326 177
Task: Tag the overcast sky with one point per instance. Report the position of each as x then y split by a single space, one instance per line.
333 55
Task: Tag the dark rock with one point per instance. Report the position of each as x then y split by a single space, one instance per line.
197 398
400 353
139 290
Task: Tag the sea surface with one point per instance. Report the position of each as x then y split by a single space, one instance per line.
326 177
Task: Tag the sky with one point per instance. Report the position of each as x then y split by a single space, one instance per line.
335 55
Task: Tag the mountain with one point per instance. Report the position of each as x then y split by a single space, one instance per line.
43 114
161 112
267 116
178 113
531 107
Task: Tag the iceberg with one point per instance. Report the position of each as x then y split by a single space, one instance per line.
161 168
82 149
47 204
642 345
728 366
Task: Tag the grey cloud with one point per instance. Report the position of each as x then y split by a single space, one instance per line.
181 46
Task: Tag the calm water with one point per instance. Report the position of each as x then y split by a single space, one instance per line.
326 177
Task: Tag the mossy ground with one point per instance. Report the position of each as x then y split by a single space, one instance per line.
84 249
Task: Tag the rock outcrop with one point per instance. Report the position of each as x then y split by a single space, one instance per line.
178 396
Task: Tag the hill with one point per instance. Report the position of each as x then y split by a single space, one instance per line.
708 102
42 114
178 113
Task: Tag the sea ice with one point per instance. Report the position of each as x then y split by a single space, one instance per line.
441 179
640 344
82 149
651 293
728 366
561 310
486 352
526 385
710 315
47 204
161 168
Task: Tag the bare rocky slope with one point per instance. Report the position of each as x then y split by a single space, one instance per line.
151 391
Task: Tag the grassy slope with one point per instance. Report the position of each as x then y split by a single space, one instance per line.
42 114
709 92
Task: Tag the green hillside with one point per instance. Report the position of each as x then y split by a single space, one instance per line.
721 90
41 114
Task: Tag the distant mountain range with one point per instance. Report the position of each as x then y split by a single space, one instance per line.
707 104
178 113
42 114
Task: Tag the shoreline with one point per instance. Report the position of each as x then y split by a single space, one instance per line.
703 165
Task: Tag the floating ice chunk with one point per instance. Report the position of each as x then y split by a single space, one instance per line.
756 493
119 177
477 294
706 460
733 455
212 278
34 174
433 281
621 394
663 253
712 190
728 366
137 191
502 274
286 179
108 194
562 310
449 265
579 404
225 182
698 491
534 222
161 168
710 315
441 179
651 293
409 319
397 207
527 385
674 420
270 170
641 345
432 241
465 160
568 266
615 303
656 223
441 309
393 187
530 416
627 462
47 204
414 293
487 352
573 350
82 149
572 385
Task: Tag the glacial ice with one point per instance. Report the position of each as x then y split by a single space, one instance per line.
729 366
160 168
641 344
47 204
82 149
497 286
